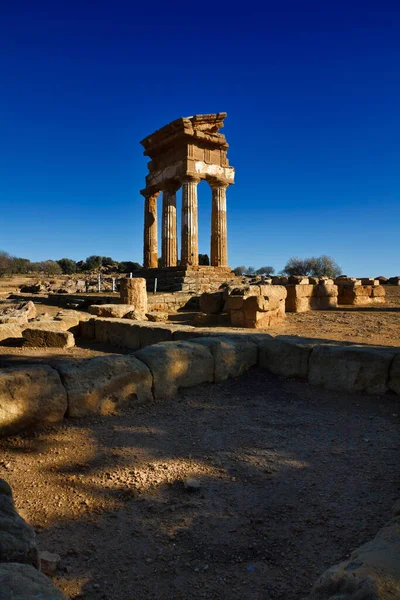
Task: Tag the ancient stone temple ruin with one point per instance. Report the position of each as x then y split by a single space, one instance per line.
182 154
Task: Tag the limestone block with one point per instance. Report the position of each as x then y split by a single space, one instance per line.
280 280
87 329
30 396
394 375
157 317
117 311
176 365
233 303
378 291
285 355
17 538
323 303
49 337
326 290
351 368
371 573
117 332
9 332
154 333
105 384
232 356
300 291
212 303
23 582
369 281
133 291
135 315
237 318
298 305
14 319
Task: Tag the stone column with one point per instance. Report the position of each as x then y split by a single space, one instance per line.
190 234
150 247
133 291
219 241
169 227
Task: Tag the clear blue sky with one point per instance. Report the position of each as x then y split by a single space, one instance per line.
312 92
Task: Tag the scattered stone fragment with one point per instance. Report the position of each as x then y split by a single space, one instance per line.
49 562
192 485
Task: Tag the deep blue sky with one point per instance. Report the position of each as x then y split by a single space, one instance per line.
312 92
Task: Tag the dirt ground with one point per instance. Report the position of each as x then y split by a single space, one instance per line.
292 478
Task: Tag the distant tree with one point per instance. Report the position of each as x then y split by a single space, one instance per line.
93 263
315 266
250 270
265 271
34 267
128 266
19 266
67 265
107 261
239 270
5 263
80 266
204 259
325 266
50 267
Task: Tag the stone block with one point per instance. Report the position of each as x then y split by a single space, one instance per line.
212 303
233 303
176 365
49 337
116 311
299 280
351 368
105 384
17 538
232 355
238 318
23 582
118 332
326 291
285 355
133 291
87 329
153 334
9 333
30 396
371 573
323 303
378 292
297 305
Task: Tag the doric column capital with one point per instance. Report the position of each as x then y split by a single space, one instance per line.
190 179
146 193
218 183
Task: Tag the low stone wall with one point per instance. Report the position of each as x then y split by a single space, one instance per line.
20 576
371 573
166 358
360 292
161 302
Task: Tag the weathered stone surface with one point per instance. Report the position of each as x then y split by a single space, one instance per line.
30 396
9 332
135 315
23 582
87 329
17 538
394 375
212 303
105 384
350 368
118 332
117 311
157 317
133 291
18 315
285 355
232 355
49 337
371 573
154 333
176 365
